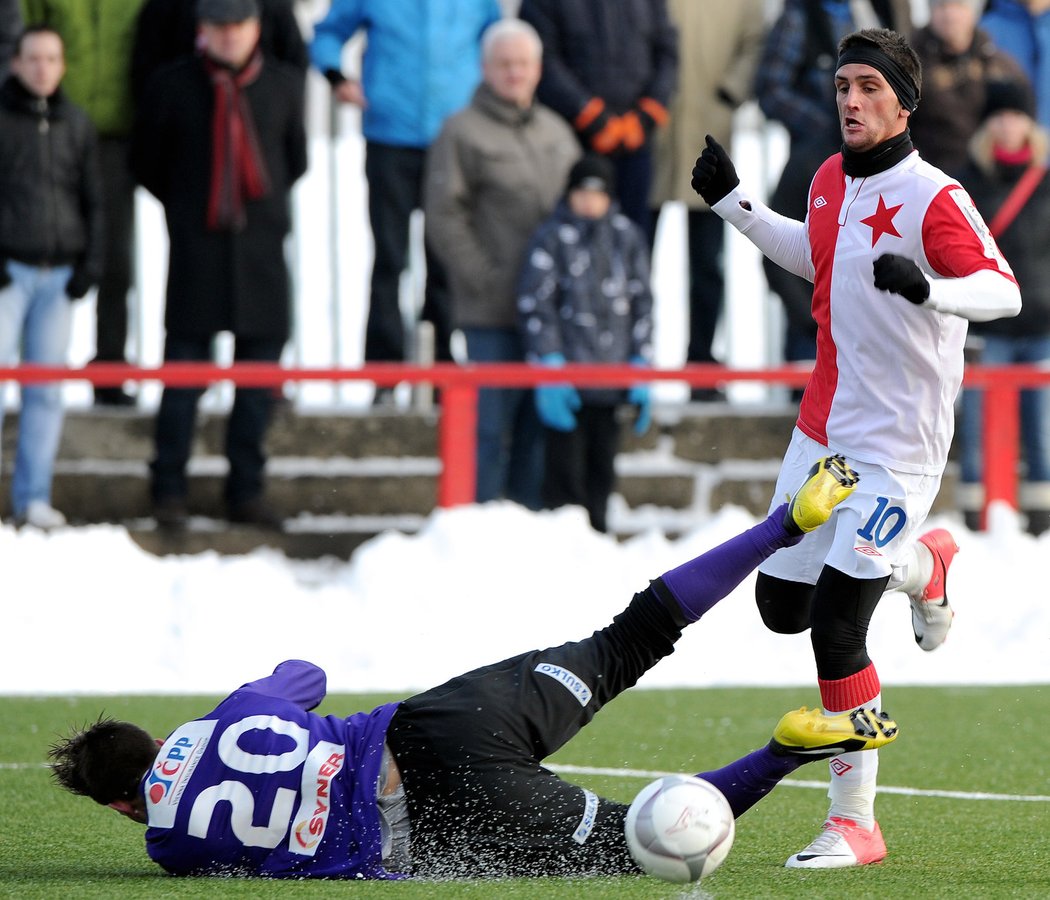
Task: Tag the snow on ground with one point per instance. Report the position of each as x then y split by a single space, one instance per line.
87 611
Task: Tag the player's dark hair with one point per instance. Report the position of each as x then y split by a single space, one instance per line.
105 761
894 44
36 28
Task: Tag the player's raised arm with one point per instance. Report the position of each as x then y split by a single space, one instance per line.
295 680
780 238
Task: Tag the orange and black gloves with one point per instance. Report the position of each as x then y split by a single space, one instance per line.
714 174
899 275
639 123
600 131
607 134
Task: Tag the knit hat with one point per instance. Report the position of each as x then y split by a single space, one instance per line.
1015 95
592 173
225 12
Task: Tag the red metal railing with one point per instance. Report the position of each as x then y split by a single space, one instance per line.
459 386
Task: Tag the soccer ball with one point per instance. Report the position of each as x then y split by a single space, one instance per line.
680 828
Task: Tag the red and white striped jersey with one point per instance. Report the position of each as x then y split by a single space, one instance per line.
887 370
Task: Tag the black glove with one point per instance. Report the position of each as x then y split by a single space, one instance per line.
900 275
79 284
5 279
714 175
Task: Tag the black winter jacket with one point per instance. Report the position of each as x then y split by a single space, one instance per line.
50 193
619 50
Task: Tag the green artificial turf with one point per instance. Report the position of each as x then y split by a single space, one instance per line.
949 832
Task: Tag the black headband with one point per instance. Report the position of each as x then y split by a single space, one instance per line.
906 90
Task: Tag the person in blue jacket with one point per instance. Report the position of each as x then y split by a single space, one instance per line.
421 63
1022 29
448 783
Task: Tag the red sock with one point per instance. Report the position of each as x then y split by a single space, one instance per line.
841 694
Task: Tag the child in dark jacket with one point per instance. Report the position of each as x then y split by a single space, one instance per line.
584 297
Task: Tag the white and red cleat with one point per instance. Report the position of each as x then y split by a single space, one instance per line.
931 616
841 844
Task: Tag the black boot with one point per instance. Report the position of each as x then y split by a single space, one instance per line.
1038 521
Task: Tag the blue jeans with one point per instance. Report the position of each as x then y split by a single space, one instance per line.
510 434
1035 410
35 320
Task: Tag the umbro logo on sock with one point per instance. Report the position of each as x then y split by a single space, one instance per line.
838 767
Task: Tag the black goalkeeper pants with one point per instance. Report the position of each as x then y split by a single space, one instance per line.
480 803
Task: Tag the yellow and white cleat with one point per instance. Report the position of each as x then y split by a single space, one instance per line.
830 482
815 735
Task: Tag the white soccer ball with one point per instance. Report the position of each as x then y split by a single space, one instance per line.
680 828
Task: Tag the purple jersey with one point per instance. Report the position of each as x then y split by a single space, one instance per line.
262 786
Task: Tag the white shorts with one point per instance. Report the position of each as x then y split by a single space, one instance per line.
869 532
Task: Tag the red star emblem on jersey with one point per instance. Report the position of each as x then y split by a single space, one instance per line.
881 221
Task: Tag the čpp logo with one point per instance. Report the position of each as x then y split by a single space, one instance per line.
165 771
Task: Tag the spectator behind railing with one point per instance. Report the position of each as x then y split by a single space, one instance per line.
719 45
584 297
1007 181
958 60
495 171
219 141
610 69
1022 29
420 65
51 249
99 37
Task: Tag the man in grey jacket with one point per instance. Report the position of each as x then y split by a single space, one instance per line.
494 173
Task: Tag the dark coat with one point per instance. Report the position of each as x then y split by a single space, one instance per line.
1025 241
221 280
50 193
619 50
584 293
